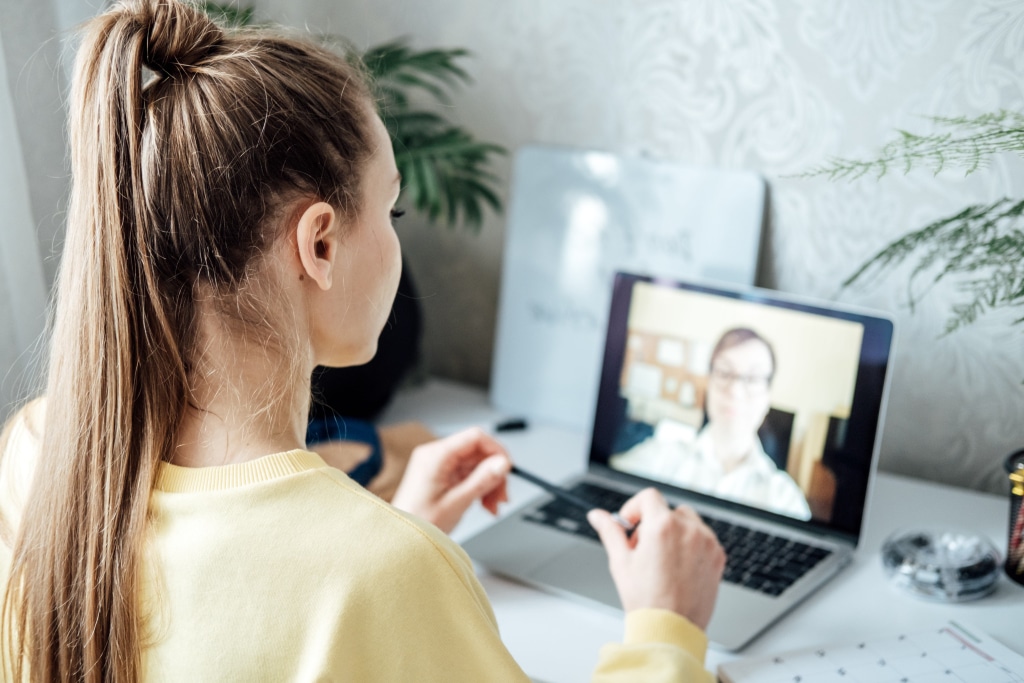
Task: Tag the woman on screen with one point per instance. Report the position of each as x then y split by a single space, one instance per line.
726 458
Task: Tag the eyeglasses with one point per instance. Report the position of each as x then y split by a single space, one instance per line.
752 384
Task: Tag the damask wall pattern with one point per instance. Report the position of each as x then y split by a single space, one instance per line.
777 86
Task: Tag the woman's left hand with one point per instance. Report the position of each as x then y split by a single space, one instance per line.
444 477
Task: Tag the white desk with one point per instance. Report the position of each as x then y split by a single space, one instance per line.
557 640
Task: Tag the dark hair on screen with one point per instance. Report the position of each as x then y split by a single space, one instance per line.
737 336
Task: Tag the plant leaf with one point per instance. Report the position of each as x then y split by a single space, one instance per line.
966 143
395 68
446 172
983 243
450 166
227 14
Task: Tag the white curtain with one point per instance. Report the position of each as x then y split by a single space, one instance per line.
22 289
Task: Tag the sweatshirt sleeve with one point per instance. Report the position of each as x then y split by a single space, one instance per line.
659 645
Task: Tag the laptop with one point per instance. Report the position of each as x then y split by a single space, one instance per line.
760 410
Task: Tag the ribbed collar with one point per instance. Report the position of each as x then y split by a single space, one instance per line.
176 479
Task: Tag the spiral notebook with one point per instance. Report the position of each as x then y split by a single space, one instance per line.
955 653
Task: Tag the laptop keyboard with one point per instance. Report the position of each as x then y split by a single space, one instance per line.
755 559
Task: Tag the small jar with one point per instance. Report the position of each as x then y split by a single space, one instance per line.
941 564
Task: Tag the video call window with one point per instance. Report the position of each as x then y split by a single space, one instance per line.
736 400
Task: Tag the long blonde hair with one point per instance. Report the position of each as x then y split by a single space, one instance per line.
186 143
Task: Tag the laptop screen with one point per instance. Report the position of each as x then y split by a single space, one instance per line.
751 398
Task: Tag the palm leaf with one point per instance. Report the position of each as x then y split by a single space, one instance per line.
446 175
395 69
434 155
227 14
446 171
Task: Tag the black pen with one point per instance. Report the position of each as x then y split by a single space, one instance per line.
512 424
559 492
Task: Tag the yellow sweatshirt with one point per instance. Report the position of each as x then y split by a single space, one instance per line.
284 569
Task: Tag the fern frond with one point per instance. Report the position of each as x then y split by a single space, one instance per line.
966 143
983 242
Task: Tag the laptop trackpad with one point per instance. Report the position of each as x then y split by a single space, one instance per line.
582 570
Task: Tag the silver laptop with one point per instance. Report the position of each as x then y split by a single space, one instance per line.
760 410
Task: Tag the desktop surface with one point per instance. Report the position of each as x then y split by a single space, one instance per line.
557 640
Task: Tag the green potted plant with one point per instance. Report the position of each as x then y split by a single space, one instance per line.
446 177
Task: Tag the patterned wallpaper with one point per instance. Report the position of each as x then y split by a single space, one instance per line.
767 85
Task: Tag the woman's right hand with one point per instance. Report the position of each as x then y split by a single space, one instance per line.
671 561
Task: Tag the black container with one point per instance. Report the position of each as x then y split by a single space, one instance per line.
1015 542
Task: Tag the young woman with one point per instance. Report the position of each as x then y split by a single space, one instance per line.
229 230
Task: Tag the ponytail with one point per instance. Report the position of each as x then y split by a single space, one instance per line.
77 557
185 141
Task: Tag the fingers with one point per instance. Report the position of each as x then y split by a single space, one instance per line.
486 478
650 504
471 440
689 517
445 476
497 496
661 520
613 536
647 503
673 561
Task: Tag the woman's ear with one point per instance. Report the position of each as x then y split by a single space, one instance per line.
317 239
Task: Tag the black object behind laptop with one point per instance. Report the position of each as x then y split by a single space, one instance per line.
660 404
